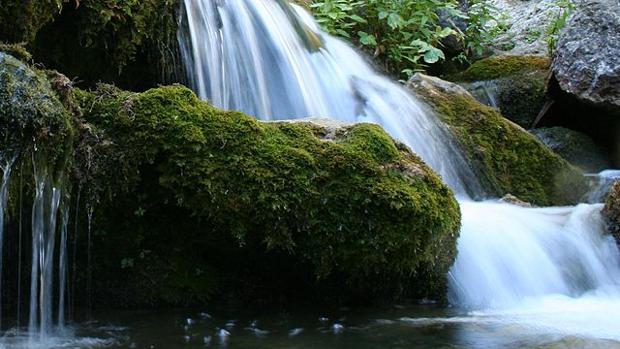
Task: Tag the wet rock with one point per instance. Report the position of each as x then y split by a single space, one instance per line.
576 147
263 208
513 200
504 156
514 84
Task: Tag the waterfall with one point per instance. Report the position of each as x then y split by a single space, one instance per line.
271 60
4 195
508 254
44 218
62 268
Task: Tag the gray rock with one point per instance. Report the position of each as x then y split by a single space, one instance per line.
527 23
587 58
576 147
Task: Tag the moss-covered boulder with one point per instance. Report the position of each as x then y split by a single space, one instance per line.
195 201
506 158
30 111
576 147
514 84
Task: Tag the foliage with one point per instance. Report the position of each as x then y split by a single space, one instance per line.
406 35
484 24
20 20
565 9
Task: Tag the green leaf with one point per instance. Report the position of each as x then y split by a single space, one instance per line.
366 39
433 55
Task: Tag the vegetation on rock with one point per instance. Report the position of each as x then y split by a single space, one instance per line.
505 157
611 211
128 42
514 84
406 36
496 67
215 201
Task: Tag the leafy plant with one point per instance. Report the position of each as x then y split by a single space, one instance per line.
405 35
484 24
565 9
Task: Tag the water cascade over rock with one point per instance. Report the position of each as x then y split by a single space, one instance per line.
35 126
272 61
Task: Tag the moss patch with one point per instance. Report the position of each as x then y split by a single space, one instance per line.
344 214
496 67
30 111
506 158
20 20
127 42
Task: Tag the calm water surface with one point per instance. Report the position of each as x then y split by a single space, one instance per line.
393 327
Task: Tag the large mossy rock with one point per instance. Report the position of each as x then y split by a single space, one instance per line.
506 158
586 63
31 113
576 147
514 84
195 201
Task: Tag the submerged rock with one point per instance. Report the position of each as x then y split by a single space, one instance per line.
513 200
586 64
215 202
576 147
514 84
506 158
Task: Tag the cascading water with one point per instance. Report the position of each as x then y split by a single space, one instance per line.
270 59
62 268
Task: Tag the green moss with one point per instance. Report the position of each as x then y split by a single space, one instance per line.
506 158
20 20
342 214
519 97
496 67
30 112
18 51
130 43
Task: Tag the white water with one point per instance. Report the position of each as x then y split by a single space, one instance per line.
271 60
549 268
4 196
44 218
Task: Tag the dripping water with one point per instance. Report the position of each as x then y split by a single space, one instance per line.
62 269
19 249
89 266
72 295
4 195
44 218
